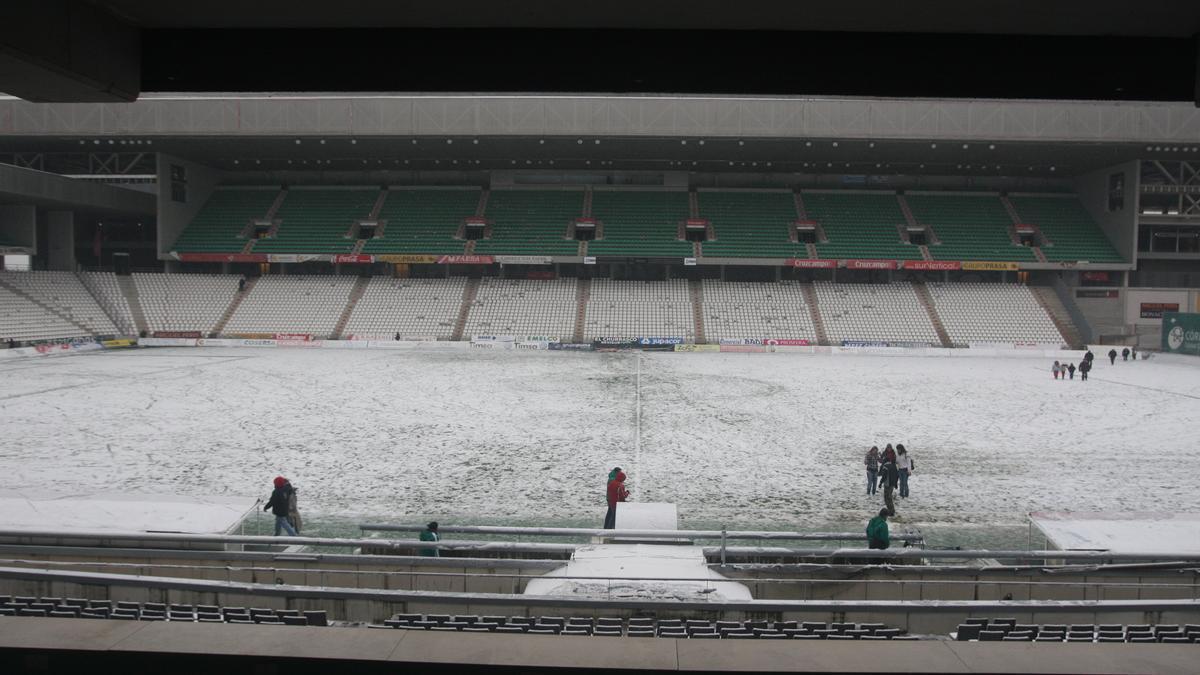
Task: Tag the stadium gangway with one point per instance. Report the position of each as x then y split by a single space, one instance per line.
911 538
115 538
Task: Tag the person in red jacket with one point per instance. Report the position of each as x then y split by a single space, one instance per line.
616 493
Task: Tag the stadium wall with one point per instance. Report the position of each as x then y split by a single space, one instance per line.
175 214
1115 210
18 224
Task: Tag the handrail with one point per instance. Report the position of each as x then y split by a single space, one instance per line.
655 534
468 545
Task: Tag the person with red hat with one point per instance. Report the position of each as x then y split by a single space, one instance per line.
278 504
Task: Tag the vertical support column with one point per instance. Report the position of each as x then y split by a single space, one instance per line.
60 233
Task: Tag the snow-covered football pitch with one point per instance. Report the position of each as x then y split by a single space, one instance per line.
738 440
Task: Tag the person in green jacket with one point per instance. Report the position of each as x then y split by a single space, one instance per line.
877 531
430 533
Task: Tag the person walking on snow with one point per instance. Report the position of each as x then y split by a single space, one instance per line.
1125 354
889 476
1084 367
616 493
905 465
430 533
872 463
1133 352
1112 357
293 509
1056 369
877 531
889 455
1071 370
278 505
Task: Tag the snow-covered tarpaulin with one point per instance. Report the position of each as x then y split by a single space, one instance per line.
1132 532
123 512
639 571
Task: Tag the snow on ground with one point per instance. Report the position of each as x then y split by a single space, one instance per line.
740 440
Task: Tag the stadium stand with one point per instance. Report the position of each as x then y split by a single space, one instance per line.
970 227
973 312
874 312
316 221
287 304
860 225
184 302
423 221
749 224
631 309
220 222
1072 232
415 308
1008 630
22 320
62 293
524 308
83 608
756 310
640 223
531 222
643 627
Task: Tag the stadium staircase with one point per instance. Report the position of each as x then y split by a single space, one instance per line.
1058 314
583 292
83 327
925 254
693 204
129 290
922 292
119 319
812 251
379 202
233 306
1013 215
470 292
814 311
801 212
356 293
587 202
481 205
696 290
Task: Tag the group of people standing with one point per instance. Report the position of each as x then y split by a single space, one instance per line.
1066 371
889 470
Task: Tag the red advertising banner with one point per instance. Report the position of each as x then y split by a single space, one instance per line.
933 265
184 334
465 260
807 264
1154 310
223 257
870 264
785 342
294 337
696 222
1094 276
353 259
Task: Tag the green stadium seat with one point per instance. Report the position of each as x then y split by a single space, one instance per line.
970 227
640 223
531 222
860 225
424 221
750 224
316 221
216 228
1070 228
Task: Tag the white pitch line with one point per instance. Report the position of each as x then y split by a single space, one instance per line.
637 443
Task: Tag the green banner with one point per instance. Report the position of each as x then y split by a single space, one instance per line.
1181 333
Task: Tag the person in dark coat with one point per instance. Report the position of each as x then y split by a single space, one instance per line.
1133 352
1071 370
1089 356
1084 367
1125 354
1112 357
889 477
279 503
430 533
889 453
877 531
616 492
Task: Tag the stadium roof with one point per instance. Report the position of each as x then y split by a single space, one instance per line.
109 50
